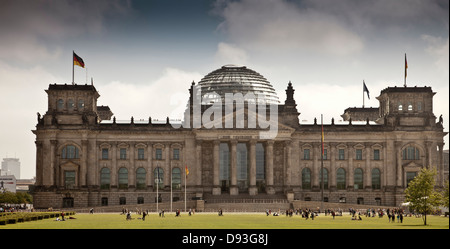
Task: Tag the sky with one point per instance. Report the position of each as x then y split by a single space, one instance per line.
142 56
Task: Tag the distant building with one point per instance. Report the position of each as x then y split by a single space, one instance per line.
11 166
8 183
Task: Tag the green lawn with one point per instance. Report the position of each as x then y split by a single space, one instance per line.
228 221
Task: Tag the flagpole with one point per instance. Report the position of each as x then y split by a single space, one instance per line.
157 186
73 65
185 177
321 159
171 178
363 93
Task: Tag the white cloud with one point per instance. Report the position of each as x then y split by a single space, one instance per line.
165 96
439 49
230 54
22 95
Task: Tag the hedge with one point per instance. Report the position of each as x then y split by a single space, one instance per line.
13 218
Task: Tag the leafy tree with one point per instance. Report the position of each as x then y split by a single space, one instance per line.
445 195
421 195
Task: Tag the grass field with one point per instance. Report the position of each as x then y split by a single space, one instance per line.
228 221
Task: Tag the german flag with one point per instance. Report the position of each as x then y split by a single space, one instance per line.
77 60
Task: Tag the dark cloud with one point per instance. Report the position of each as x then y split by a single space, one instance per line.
28 27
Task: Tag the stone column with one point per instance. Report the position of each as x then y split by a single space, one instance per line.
198 167
92 165
84 163
114 183
216 168
399 171
351 169
39 164
269 168
54 169
367 170
132 167
149 169
332 158
440 166
253 190
316 166
167 167
287 173
53 173
233 186
429 156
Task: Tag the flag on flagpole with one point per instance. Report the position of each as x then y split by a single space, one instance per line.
187 171
77 60
406 67
365 89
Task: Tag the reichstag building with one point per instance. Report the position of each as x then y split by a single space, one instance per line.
237 138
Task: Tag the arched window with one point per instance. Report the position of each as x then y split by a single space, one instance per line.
306 178
70 152
80 104
105 178
140 178
325 179
376 179
70 105
176 178
159 177
123 178
411 153
340 179
60 105
358 179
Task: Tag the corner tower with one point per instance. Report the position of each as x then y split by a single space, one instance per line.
407 106
70 105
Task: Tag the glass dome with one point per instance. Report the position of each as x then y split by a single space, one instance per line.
236 79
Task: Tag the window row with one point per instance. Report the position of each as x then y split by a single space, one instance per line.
341 179
141 176
409 106
72 152
70 105
307 154
140 154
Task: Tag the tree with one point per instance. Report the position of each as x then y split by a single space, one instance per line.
445 194
421 195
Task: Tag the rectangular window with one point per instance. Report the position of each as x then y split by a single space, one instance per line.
306 154
158 154
104 153
69 179
341 154
325 154
123 153
409 177
141 154
358 154
176 154
376 154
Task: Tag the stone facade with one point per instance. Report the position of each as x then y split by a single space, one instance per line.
81 162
